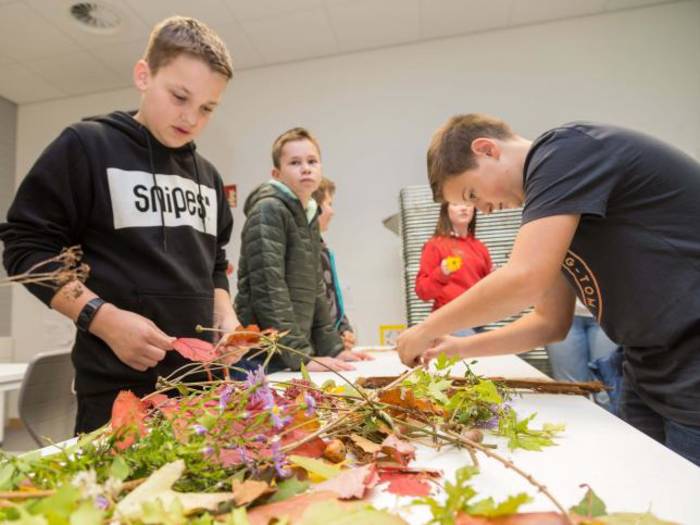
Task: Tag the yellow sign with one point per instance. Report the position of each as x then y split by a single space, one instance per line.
388 333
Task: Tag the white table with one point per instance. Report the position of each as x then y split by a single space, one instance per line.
11 375
628 470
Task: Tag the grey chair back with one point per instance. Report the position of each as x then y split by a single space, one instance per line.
47 404
418 217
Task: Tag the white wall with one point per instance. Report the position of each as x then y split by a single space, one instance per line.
374 112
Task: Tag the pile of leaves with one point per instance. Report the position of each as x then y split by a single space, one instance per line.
250 452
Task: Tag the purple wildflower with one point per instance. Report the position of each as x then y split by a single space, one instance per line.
256 378
310 402
207 451
279 460
101 502
199 430
225 397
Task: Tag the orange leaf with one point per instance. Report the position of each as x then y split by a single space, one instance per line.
128 414
404 398
195 349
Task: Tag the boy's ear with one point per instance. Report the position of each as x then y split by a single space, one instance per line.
486 147
275 173
142 74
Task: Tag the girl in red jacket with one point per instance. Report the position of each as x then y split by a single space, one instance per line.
453 260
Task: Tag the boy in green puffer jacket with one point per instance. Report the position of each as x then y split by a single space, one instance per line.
279 276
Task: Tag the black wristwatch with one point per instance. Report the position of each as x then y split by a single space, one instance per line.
87 314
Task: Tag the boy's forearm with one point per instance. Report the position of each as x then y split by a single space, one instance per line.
497 296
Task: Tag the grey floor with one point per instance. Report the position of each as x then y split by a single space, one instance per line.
17 439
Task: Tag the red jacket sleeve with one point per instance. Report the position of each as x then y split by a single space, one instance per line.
430 279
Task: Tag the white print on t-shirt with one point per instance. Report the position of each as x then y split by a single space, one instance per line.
586 284
137 202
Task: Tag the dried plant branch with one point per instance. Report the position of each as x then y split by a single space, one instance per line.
69 269
543 386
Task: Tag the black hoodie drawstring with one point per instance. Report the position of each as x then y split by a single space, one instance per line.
163 232
199 187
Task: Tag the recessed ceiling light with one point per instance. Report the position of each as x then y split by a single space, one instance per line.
96 17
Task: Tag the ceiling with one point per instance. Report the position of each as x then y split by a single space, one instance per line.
45 54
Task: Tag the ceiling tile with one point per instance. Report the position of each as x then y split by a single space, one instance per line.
77 73
441 18
21 86
252 9
211 12
121 58
243 52
25 35
299 35
541 10
365 24
57 12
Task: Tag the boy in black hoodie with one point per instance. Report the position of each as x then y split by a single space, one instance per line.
150 214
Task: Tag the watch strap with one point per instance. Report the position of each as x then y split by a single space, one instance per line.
87 314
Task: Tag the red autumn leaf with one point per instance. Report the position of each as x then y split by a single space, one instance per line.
291 508
195 349
128 414
311 449
525 518
400 451
242 336
352 483
406 484
156 401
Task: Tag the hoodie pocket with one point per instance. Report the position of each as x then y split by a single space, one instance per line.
177 314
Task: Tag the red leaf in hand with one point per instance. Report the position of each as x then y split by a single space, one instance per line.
128 414
195 349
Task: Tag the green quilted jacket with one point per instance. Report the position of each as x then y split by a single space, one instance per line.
279 275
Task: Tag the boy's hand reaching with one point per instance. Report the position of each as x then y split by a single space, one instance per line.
331 362
135 340
348 339
349 355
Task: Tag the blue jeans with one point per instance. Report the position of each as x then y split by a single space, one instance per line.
466 332
682 439
572 358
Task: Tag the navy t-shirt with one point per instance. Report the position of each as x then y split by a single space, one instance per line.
635 257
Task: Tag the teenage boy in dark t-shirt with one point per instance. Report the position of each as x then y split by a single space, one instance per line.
608 214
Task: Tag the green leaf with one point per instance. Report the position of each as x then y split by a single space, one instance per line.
87 514
487 392
486 507
25 518
443 362
315 466
437 389
119 469
590 506
305 373
288 488
628 518
208 420
60 506
7 473
325 512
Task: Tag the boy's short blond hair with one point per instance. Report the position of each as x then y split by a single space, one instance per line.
325 189
450 153
179 35
291 135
